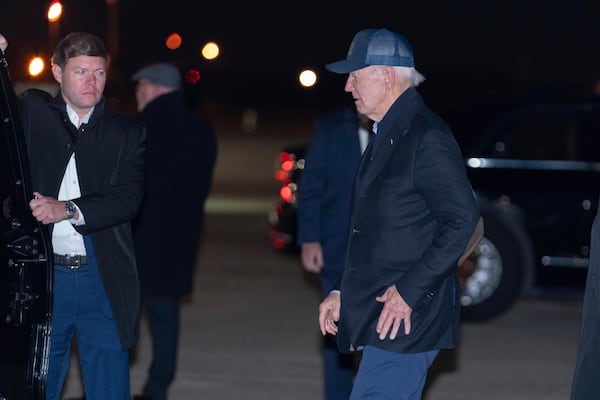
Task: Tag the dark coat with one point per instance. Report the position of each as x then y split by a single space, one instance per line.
413 215
181 157
325 189
110 160
586 385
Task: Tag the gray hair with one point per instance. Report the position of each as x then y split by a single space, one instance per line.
414 76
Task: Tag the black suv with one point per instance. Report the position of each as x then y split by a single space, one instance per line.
25 265
536 175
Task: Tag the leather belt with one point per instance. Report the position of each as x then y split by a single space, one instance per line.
72 261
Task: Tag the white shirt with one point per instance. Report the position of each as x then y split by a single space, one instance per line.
363 136
65 239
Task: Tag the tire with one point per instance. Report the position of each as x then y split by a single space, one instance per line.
492 277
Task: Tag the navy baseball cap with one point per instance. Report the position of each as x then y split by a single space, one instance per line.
375 47
164 74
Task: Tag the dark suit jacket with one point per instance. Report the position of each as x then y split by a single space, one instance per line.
325 189
586 385
413 215
181 156
110 160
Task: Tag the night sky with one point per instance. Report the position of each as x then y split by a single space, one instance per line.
471 45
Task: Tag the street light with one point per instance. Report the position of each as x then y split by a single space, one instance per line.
36 66
210 51
173 41
54 13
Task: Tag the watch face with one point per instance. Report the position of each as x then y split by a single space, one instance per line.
71 209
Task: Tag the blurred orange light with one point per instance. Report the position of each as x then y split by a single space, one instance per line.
54 11
36 66
173 41
210 51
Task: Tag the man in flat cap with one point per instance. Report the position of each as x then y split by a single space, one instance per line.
413 215
181 156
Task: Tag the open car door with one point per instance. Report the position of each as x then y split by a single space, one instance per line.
25 264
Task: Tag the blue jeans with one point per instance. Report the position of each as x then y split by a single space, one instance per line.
80 308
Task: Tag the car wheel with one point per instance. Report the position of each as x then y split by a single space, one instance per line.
491 278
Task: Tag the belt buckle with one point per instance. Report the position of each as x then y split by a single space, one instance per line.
75 261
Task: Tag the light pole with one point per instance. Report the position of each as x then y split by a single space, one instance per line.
112 34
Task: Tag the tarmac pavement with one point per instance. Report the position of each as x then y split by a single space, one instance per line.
249 332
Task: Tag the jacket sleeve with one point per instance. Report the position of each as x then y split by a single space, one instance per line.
441 179
311 188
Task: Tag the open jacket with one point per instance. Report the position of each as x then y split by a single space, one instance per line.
109 152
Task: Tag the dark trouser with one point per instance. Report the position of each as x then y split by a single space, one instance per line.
386 375
338 371
162 313
80 307
338 368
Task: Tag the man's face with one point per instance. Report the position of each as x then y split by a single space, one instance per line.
82 82
368 91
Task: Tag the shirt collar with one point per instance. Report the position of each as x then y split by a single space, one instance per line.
74 118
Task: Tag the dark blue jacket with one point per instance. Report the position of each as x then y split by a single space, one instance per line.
412 217
325 189
586 385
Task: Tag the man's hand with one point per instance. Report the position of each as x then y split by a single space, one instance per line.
312 256
3 42
329 313
47 210
395 310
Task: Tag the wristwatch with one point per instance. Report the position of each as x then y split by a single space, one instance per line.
71 209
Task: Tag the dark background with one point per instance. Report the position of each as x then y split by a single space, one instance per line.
468 50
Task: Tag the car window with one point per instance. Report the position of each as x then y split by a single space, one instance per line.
566 136
589 149
537 137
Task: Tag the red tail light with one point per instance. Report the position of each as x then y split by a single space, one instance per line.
286 194
288 165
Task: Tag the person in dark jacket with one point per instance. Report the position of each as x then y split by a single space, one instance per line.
324 197
181 157
87 170
585 384
413 215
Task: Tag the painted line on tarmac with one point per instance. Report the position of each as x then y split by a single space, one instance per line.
239 204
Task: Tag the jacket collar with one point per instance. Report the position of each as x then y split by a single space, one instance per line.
402 111
58 103
390 130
